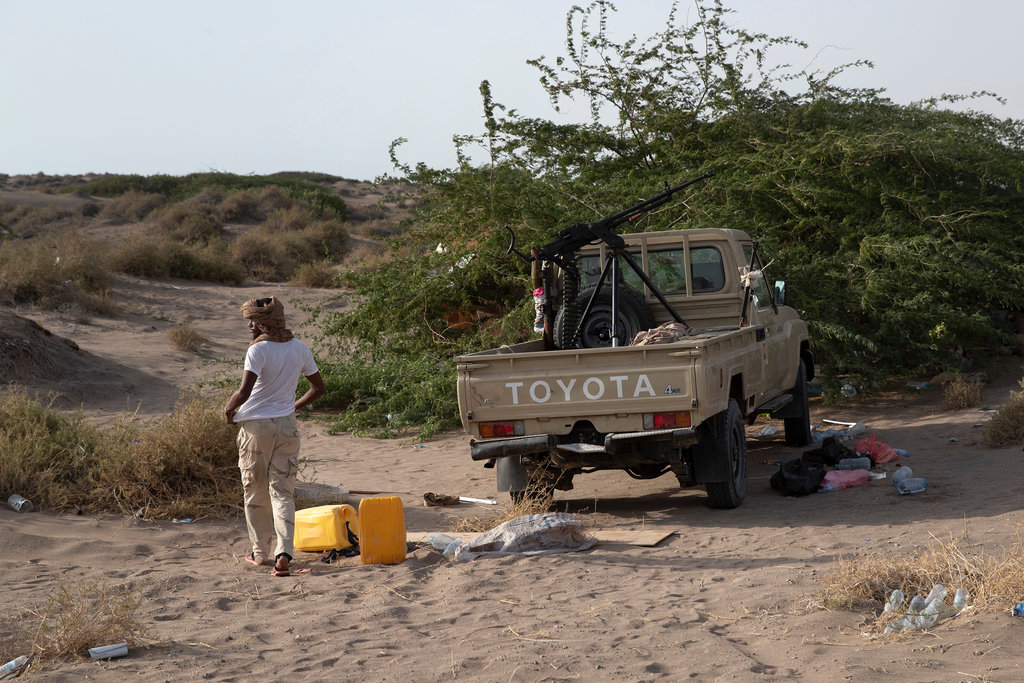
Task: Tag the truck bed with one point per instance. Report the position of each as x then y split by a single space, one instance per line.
610 387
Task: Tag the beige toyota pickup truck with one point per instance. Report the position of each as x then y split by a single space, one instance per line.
584 399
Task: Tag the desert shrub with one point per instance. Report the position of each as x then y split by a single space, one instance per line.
90 209
185 338
188 223
262 256
211 262
316 274
208 198
330 238
183 465
867 580
283 220
960 394
131 206
273 198
199 226
28 221
240 206
83 615
322 201
55 273
140 256
1007 425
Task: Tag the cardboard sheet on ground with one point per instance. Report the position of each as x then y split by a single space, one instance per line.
643 538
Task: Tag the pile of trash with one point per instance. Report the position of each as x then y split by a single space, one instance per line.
924 612
834 465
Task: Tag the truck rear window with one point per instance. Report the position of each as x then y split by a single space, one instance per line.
665 268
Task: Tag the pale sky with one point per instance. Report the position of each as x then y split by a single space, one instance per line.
253 86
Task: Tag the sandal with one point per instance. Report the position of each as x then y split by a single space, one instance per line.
251 559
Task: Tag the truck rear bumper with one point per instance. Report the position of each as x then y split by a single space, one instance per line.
543 443
506 448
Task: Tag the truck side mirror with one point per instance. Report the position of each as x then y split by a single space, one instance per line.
780 292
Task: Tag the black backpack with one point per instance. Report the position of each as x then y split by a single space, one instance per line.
798 477
830 452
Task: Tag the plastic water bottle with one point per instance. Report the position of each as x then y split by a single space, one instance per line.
911 485
449 552
902 453
12 666
854 430
938 592
894 603
854 464
441 541
901 474
960 598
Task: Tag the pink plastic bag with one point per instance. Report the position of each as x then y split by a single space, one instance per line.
878 451
843 479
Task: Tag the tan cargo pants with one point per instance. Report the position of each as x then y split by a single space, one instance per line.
268 457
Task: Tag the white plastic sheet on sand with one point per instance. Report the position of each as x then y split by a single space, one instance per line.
549 532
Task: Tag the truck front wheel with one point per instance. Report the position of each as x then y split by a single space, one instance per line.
725 435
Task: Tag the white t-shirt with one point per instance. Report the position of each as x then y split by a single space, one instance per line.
277 366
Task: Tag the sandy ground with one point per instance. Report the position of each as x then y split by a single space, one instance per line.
727 595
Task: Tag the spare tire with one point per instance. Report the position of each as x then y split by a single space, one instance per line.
634 316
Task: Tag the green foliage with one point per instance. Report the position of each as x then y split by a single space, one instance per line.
897 227
176 188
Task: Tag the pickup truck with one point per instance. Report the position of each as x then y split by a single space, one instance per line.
541 414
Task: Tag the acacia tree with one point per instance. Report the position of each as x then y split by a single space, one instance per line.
897 227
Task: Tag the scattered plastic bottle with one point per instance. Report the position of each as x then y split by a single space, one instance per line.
911 485
446 544
769 430
855 430
12 666
917 386
894 603
854 464
960 598
938 592
847 390
901 474
902 453
441 541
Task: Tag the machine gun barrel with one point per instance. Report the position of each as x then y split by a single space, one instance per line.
581 234
650 203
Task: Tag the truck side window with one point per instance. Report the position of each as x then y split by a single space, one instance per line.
666 270
590 271
706 269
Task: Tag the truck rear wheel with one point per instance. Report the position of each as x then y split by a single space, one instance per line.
726 436
634 316
798 428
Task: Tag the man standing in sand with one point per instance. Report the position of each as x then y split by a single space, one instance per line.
268 436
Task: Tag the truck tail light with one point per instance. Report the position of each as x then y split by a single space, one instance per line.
510 428
666 420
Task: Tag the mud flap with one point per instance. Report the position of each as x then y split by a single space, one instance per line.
511 474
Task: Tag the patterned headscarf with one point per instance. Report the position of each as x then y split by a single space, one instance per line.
268 314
